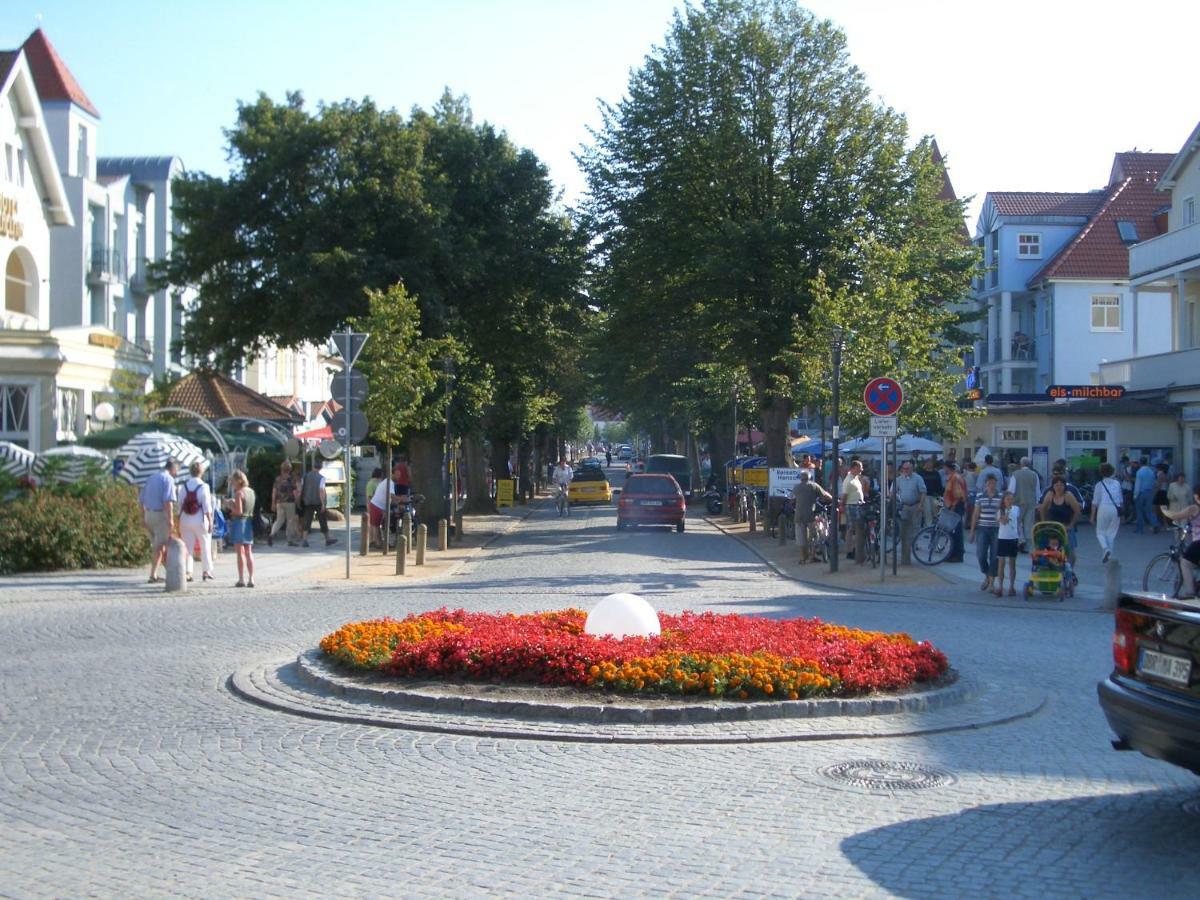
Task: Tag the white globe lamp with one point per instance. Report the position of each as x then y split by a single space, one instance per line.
623 615
104 412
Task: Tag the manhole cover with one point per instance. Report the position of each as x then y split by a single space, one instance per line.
886 775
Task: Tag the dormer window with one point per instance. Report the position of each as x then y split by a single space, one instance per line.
1029 245
1128 232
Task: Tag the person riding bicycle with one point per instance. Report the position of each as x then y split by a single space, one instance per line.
806 493
1191 554
562 476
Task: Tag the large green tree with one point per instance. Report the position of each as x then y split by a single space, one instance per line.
747 175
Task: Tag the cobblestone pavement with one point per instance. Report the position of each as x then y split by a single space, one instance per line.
127 767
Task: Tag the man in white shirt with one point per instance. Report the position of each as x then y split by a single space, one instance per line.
854 499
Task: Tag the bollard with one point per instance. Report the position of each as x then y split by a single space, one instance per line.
443 543
750 514
364 535
1112 584
458 532
401 554
422 537
175 571
406 527
781 522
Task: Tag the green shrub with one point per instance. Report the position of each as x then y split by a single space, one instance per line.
100 527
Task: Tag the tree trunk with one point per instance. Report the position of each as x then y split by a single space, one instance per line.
478 499
775 416
525 467
720 443
425 464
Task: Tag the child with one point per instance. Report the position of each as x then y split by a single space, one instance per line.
1053 554
1009 538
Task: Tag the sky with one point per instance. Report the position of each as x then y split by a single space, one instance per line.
1020 96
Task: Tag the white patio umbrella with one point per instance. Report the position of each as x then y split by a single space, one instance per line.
152 457
145 439
905 444
70 462
16 460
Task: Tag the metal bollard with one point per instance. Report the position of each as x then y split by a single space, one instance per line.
458 532
364 534
407 526
443 541
175 569
750 510
401 554
1112 584
781 524
422 537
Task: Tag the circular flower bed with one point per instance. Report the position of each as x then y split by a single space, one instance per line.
733 656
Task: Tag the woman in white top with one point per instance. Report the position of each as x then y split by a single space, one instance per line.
1106 509
1008 538
195 520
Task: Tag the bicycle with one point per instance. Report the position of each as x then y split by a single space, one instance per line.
1163 574
933 543
562 501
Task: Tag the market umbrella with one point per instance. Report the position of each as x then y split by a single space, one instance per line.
139 442
70 463
152 457
16 460
905 444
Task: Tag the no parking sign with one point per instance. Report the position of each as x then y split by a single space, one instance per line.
883 396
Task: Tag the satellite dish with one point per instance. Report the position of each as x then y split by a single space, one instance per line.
330 449
292 447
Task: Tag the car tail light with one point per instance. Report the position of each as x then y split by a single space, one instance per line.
1124 642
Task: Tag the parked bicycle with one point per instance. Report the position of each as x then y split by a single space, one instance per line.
1163 574
933 543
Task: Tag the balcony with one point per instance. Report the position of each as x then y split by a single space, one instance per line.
1165 255
139 275
1156 372
1022 354
106 266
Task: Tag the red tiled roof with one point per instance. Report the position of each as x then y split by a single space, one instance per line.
53 79
1098 251
1133 163
216 396
1045 203
947 193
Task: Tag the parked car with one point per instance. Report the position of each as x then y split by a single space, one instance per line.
1152 697
651 499
590 462
624 452
674 465
588 485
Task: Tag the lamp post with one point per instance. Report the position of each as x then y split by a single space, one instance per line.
447 480
837 343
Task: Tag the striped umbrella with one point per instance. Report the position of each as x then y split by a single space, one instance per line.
146 439
70 463
152 457
16 460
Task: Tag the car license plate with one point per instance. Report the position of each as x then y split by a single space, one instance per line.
1163 665
651 503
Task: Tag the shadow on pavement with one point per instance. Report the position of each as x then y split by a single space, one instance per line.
1138 845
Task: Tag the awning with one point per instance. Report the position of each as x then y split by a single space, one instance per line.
324 433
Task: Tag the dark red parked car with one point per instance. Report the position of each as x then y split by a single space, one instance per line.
651 500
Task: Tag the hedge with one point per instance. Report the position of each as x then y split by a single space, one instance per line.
47 530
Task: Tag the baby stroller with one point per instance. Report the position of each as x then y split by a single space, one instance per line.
1051 575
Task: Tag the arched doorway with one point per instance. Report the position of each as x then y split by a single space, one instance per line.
20 284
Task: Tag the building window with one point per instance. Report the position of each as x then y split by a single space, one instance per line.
1087 435
17 286
1029 245
1012 436
66 413
81 152
21 166
1106 312
14 413
8 163
1189 210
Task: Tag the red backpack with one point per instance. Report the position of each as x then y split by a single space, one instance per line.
191 503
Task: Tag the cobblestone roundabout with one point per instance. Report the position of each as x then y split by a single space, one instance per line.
130 768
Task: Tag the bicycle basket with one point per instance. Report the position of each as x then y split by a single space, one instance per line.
948 520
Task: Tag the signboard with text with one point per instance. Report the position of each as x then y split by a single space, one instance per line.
783 480
1085 392
506 489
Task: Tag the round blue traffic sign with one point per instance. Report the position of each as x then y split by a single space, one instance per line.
883 396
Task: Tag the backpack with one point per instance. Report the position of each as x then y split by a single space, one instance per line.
191 503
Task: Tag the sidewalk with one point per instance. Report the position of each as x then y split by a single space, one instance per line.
958 580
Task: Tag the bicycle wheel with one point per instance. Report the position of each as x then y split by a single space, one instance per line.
1162 576
872 551
931 545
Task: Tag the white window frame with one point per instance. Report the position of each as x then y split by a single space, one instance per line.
73 397
1023 248
1109 429
999 441
33 404
1187 210
1107 307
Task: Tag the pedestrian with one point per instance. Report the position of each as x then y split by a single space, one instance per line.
954 498
608 459
241 526
806 494
1007 539
1060 505
1106 509
1143 498
974 485
854 505
933 488
990 468
283 500
314 498
196 521
1125 472
985 530
1191 554
157 499
1026 487
373 482
908 490
1179 493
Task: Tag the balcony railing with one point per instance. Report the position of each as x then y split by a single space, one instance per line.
139 275
1019 351
1167 251
106 265
1149 373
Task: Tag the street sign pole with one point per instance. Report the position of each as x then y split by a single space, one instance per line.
348 345
349 482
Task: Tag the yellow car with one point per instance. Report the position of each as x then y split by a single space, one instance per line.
588 485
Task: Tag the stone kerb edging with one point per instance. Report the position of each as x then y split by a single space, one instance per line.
308 687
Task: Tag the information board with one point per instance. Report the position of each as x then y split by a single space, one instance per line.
506 489
783 480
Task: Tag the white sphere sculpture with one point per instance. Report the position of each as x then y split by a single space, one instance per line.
623 615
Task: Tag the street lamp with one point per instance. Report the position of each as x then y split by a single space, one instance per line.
837 344
448 482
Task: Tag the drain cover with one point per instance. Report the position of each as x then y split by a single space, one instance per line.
886 775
